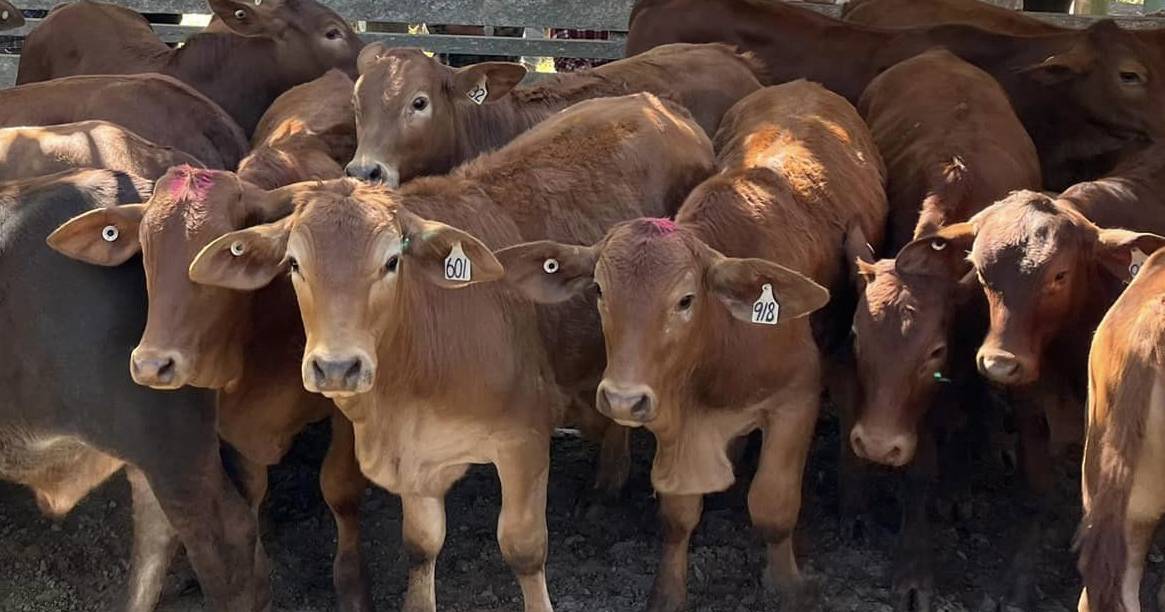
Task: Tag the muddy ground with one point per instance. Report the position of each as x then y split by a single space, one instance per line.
602 565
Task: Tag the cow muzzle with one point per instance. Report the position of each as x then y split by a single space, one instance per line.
158 369
1005 368
628 405
373 172
892 448
338 375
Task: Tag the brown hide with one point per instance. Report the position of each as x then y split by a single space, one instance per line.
10 16
912 13
1131 197
155 107
414 116
37 151
1084 96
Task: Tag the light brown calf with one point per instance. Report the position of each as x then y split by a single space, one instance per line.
245 345
416 116
707 339
1124 458
37 151
433 379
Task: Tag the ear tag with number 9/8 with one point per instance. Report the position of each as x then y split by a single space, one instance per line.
1137 259
766 310
479 93
457 265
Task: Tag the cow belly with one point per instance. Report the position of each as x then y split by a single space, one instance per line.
61 470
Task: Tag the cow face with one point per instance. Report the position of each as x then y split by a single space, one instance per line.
10 16
1039 263
311 38
353 255
409 108
194 334
662 295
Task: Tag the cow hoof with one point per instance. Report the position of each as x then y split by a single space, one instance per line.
913 599
658 602
803 594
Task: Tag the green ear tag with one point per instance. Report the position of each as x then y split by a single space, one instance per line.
404 244
939 377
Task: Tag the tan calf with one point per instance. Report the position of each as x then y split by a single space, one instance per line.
37 151
707 338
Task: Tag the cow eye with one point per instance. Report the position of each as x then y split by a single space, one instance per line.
392 263
685 302
420 103
293 264
1129 77
334 34
1061 276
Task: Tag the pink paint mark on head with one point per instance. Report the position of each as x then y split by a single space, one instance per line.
657 226
189 182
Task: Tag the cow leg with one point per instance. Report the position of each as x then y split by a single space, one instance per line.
913 581
154 545
774 498
679 514
343 486
254 482
852 483
424 535
522 533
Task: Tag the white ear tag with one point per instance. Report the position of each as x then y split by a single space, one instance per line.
237 248
109 233
4 16
479 93
766 309
457 265
1137 260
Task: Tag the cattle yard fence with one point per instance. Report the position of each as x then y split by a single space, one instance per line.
534 16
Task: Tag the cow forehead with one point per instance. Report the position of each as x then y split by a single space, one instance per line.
338 227
200 199
647 254
397 70
1024 236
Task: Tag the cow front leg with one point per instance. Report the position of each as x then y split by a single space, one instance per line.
913 579
522 533
424 535
679 515
154 545
343 486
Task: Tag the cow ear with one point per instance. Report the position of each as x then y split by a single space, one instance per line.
1063 66
1122 252
487 81
245 260
369 55
549 272
942 254
245 18
859 255
445 255
742 284
102 237
10 16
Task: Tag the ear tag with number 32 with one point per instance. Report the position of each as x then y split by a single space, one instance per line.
766 310
457 265
1137 259
479 93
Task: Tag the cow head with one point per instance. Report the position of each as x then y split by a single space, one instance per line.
901 334
311 37
662 293
409 108
1039 262
10 16
194 335
355 257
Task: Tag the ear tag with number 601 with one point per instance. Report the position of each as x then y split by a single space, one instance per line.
766 310
479 93
1136 260
457 265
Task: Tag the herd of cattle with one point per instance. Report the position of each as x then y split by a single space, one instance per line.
677 241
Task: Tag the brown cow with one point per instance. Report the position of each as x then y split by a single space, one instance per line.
306 134
470 374
416 116
913 13
797 167
1124 455
36 151
10 16
1048 274
155 107
1132 196
245 345
1084 96
259 51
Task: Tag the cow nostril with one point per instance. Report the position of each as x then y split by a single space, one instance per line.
376 173
352 375
318 371
166 369
895 454
640 407
858 444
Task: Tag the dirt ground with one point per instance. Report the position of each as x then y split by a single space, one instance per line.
604 564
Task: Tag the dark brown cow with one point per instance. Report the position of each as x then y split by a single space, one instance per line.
1132 196
245 345
416 116
474 375
259 51
10 16
1049 274
36 151
307 134
1084 96
155 107
1124 458
706 337
913 13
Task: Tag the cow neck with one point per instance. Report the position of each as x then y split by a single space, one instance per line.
488 127
236 72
